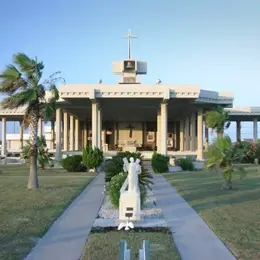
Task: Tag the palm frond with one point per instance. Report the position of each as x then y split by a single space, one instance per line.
54 92
11 80
53 78
24 63
19 99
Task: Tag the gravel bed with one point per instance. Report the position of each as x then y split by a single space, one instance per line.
149 210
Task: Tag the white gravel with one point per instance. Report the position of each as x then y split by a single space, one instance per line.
149 210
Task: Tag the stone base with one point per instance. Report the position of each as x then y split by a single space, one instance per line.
129 200
101 222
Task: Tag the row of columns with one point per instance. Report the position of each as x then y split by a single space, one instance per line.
162 131
255 130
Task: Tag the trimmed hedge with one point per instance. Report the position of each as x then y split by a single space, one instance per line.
73 164
186 164
92 158
160 163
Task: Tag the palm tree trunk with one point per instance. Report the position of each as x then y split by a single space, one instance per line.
33 176
227 184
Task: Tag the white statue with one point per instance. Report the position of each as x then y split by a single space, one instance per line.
133 169
130 200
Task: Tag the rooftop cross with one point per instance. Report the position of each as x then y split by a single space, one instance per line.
129 35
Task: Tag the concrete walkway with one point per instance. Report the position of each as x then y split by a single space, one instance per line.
192 236
67 236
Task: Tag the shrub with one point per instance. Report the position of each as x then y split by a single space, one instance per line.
145 178
222 157
113 167
73 164
43 153
143 194
92 158
186 164
114 189
159 163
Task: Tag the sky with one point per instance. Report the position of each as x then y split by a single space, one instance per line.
213 44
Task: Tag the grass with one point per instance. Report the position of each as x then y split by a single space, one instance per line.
105 245
26 215
234 215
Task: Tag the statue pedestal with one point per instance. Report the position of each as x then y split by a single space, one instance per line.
130 203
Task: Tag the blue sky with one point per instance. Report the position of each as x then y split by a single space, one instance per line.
214 44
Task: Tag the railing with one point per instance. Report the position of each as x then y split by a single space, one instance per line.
144 252
124 251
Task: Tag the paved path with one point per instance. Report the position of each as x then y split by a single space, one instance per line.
67 236
192 236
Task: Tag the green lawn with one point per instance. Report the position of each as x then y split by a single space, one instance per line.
27 215
102 246
234 215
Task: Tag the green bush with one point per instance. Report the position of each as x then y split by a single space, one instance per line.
113 167
114 189
159 163
43 153
186 164
92 158
73 164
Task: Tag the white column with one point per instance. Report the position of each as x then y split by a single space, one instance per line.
21 135
158 134
238 130
76 134
65 131
58 135
115 133
181 135
71 133
40 127
193 131
99 126
187 136
144 134
200 135
164 128
3 150
52 136
94 124
175 134
255 129
85 133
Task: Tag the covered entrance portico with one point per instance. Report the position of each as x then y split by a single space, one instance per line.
165 118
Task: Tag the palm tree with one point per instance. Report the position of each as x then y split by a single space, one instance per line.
22 83
221 155
218 120
43 155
